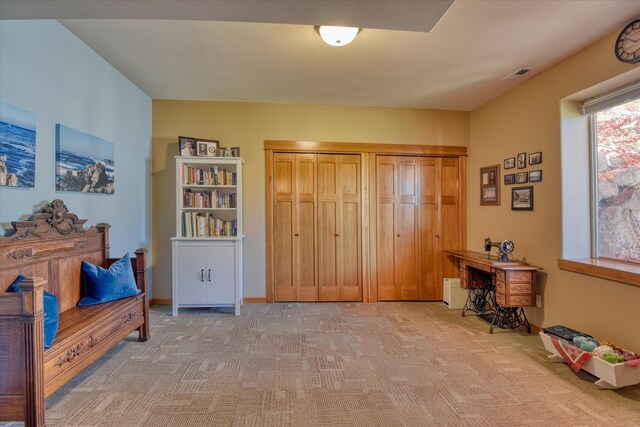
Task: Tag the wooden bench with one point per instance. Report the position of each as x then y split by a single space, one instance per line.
48 250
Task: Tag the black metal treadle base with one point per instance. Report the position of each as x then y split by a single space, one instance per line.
489 318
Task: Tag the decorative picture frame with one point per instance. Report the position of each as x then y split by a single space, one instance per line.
207 147
535 158
522 198
510 179
510 163
522 160
490 185
522 178
187 146
535 176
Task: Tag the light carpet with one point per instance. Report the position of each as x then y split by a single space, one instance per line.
334 364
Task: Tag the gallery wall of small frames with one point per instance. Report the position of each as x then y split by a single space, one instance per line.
522 197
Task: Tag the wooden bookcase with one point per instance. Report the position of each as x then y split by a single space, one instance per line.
207 249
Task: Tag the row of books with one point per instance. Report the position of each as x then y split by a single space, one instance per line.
211 176
199 224
208 199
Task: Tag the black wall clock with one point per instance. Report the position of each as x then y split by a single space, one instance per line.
628 43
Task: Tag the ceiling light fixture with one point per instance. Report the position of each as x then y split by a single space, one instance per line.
337 36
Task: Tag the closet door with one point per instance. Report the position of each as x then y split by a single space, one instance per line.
294 238
429 240
339 251
397 234
407 226
449 216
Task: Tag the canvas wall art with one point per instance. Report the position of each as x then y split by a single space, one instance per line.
17 147
84 163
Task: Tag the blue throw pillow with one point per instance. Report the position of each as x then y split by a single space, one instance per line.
51 312
101 285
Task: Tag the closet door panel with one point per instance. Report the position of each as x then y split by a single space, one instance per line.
328 217
305 231
386 182
449 214
429 240
349 239
284 213
407 262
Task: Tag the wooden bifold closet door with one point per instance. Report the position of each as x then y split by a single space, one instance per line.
417 218
317 242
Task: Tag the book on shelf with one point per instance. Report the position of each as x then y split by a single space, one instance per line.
200 224
214 175
208 199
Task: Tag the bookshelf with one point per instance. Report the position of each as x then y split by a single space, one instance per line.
207 249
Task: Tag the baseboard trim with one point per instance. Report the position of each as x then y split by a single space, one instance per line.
255 300
160 301
535 329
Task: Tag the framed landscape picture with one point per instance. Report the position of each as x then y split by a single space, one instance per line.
490 185
522 198
84 163
17 147
535 176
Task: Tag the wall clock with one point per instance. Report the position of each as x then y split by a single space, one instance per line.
628 43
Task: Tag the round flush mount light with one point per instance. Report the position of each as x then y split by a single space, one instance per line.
337 36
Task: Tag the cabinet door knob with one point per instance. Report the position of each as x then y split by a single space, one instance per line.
296 234
437 236
202 275
209 274
337 234
397 235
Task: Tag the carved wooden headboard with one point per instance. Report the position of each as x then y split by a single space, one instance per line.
51 244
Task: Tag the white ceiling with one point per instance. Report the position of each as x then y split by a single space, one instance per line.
459 65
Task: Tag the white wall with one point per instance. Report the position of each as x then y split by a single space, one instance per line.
47 70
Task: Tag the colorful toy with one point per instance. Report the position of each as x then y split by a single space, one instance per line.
613 357
586 343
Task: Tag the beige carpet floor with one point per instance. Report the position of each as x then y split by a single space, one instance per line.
385 364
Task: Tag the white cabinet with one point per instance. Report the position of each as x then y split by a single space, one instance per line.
207 274
207 249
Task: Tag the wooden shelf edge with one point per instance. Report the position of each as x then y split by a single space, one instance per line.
605 269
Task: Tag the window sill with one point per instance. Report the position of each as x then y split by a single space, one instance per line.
605 269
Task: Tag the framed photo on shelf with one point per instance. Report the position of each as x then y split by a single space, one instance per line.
510 163
187 146
522 160
522 198
490 186
207 147
522 178
535 176
535 158
235 151
509 179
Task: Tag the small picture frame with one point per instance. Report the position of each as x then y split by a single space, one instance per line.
522 178
187 146
522 160
490 186
235 151
522 198
207 147
510 163
535 158
535 176
510 179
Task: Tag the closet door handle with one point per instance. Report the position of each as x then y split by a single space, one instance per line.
209 275
397 235
202 275
337 235
296 235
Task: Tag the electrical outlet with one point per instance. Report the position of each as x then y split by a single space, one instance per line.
539 301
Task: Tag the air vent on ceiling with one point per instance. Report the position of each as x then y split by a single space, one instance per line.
516 74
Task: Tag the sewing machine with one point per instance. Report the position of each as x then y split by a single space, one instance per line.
505 247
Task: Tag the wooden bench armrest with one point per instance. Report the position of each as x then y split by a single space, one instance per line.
22 358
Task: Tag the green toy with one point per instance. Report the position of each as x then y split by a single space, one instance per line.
612 357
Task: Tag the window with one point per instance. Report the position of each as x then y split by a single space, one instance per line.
615 136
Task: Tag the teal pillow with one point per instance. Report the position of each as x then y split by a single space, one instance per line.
103 285
51 312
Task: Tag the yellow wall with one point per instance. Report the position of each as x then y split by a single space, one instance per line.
247 125
527 119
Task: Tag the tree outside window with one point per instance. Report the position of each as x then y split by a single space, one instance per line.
617 138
